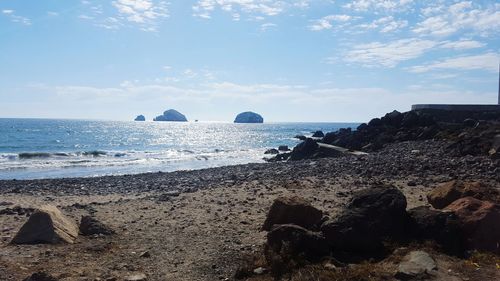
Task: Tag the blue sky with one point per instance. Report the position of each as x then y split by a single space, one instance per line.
303 60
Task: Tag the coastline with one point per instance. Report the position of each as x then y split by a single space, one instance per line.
201 224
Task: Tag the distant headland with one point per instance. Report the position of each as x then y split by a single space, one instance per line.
140 118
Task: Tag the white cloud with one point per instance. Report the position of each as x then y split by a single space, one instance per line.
255 8
15 18
267 26
327 22
374 5
464 15
487 61
7 12
389 54
462 44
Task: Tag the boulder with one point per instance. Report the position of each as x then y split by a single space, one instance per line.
445 193
480 221
393 119
318 134
301 137
416 265
373 216
40 276
289 240
140 118
272 151
91 226
47 225
283 148
441 227
248 117
171 115
304 150
292 210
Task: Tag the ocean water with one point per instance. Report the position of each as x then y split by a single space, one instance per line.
50 148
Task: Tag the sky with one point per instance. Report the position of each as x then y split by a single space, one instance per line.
291 61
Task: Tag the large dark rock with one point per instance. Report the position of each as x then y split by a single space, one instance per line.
373 216
91 226
248 117
295 241
480 221
303 150
140 118
441 227
40 276
292 210
171 115
393 119
318 134
446 193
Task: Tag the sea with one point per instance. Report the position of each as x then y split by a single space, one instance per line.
57 148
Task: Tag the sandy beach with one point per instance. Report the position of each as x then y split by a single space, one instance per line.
202 224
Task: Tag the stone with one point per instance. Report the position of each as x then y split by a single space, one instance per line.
91 226
40 276
292 210
259 271
47 225
248 117
480 221
441 227
138 276
171 115
140 118
272 151
373 216
444 194
304 150
291 241
318 134
283 148
300 137
416 265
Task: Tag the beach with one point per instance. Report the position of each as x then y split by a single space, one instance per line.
203 224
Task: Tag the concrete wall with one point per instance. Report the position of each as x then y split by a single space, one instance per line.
458 107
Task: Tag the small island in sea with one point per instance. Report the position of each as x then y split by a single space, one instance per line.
140 118
248 117
171 115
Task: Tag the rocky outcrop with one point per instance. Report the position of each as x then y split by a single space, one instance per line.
303 150
140 118
171 115
292 210
318 134
248 117
47 225
446 193
480 223
91 226
272 151
298 240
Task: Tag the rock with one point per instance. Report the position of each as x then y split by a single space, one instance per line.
40 276
272 151
171 115
292 210
279 157
140 118
480 223
469 122
318 134
292 241
145 254
47 225
444 194
259 271
139 276
416 265
300 137
248 117
304 150
283 148
441 227
393 119
374 215
91 226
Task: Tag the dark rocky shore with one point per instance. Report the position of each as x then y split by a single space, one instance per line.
207 224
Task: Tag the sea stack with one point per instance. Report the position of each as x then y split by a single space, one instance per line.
171 115
248 117
140 118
